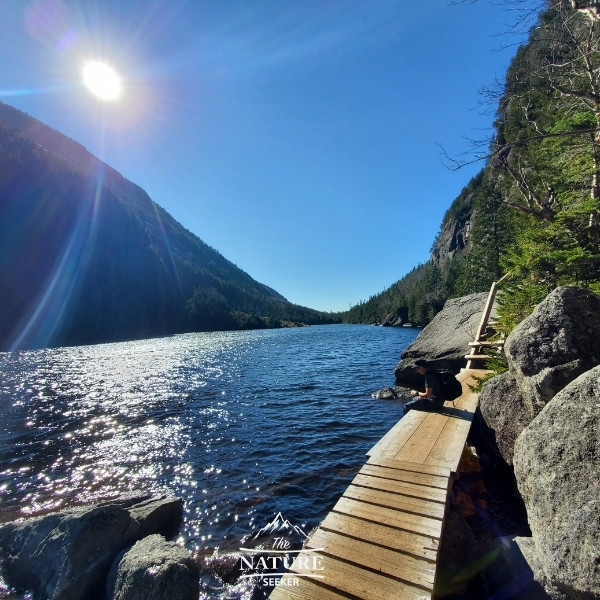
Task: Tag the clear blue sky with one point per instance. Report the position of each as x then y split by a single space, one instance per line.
298 138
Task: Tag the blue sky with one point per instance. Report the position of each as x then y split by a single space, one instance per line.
300 139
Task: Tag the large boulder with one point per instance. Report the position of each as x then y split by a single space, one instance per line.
557 467
502 415
154 569
545 352
66 555
555 344
445 341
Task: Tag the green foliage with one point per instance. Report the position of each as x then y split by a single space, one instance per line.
534 210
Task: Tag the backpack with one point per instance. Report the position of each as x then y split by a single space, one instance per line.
451 387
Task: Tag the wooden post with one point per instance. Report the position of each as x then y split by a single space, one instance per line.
484 319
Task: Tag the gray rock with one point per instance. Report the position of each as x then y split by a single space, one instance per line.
393 393
545 352
502 415
154 569
66 555
557 467
555 344
529 553
397 318
444 342
452 238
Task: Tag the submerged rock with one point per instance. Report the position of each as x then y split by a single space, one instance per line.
66 555
393 393
557 467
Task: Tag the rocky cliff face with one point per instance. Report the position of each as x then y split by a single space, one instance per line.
456 226
453 238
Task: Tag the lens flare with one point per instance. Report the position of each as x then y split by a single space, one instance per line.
102 80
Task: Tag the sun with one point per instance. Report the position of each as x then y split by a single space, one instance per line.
102 80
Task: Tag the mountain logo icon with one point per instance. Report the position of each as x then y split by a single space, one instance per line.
280 525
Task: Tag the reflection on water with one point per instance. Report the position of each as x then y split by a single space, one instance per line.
241 425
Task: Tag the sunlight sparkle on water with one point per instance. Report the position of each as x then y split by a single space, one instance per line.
225 421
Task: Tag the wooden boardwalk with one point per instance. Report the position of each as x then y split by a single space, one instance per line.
381 539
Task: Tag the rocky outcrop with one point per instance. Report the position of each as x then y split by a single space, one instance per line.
453 238
396 319
502 415
444 342
557 467
154 569
66 555
545 352
393 393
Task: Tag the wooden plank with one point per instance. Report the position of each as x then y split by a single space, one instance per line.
409 466
417 572
451 446
400 433
467 402
415 544
390 516
419 446
471 402
399 474
293 587
486 311
390 435
366 479
361 583
417 506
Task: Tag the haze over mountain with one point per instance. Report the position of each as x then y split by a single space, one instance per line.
86 256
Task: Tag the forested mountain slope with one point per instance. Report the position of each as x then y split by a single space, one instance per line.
87 256
534 210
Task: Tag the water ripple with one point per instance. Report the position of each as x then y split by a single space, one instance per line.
241 425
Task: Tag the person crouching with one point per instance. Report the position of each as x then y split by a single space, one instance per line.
431 399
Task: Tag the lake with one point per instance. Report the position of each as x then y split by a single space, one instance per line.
241 425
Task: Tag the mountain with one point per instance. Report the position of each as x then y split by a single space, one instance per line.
86 256
533 211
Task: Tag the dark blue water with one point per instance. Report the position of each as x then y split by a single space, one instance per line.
241 425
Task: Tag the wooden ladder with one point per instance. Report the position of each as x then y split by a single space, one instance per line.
479 343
